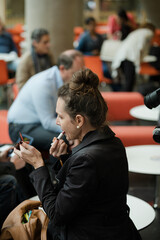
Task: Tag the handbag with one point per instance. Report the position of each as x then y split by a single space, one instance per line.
26 222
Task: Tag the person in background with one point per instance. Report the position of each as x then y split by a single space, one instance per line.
8 46
88 200
120 25
37 59
90 42
131 53
10 192
33 111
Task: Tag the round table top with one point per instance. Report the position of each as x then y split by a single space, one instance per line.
141 213
144 159
144 113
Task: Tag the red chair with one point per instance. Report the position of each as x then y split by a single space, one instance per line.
95 64
5 81
15 90
77 32
120 103
134 135
147 69
4 135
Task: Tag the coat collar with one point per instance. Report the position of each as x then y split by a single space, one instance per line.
94 136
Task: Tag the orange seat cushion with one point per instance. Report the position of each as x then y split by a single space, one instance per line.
4 135
120 103
134 135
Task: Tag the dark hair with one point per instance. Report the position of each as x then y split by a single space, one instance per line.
122 14
38 33
81 96
89 20
66 58
148 25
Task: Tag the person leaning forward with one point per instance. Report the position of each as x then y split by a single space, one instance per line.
34 110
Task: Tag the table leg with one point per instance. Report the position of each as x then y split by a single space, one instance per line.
157 193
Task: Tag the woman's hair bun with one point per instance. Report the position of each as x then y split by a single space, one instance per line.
84 80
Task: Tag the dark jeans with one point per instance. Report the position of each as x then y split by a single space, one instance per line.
10 196
42 141
128 69
42 138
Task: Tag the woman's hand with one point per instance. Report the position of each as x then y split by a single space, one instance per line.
4 155
58 148
30 155
18 162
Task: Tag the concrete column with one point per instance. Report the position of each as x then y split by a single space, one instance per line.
79 13
58 17
152 11
3 10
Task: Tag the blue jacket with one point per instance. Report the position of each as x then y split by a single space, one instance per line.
6 43
88 44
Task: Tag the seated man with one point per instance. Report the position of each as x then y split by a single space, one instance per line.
35 60
34 110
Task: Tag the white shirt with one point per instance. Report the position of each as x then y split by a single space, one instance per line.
134 48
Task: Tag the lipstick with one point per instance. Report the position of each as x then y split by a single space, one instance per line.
60 135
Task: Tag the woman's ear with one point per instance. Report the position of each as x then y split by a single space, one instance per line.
79 120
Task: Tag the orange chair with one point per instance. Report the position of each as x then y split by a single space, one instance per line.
77 32
4 80
119 104
4 74
147 69
95 64
4 135
134 135
15 90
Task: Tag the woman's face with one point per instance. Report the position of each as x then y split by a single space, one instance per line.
66 123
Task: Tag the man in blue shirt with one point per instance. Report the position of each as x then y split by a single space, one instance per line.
90 42
34 110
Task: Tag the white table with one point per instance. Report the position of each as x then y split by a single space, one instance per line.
146 159
109 49
144 113
8 57
141 213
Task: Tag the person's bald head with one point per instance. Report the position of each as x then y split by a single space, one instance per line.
69 62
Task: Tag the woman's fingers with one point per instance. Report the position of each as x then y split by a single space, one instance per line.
59 147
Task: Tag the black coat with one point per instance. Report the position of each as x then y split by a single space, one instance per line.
91 201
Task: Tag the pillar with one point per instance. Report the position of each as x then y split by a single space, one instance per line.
3 10
152 11
58 17
79 21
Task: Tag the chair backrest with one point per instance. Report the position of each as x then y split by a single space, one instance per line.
4 135
15 90
3 72
95 64
120 103
147 69
134 135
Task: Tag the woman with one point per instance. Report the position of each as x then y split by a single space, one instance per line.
89 200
